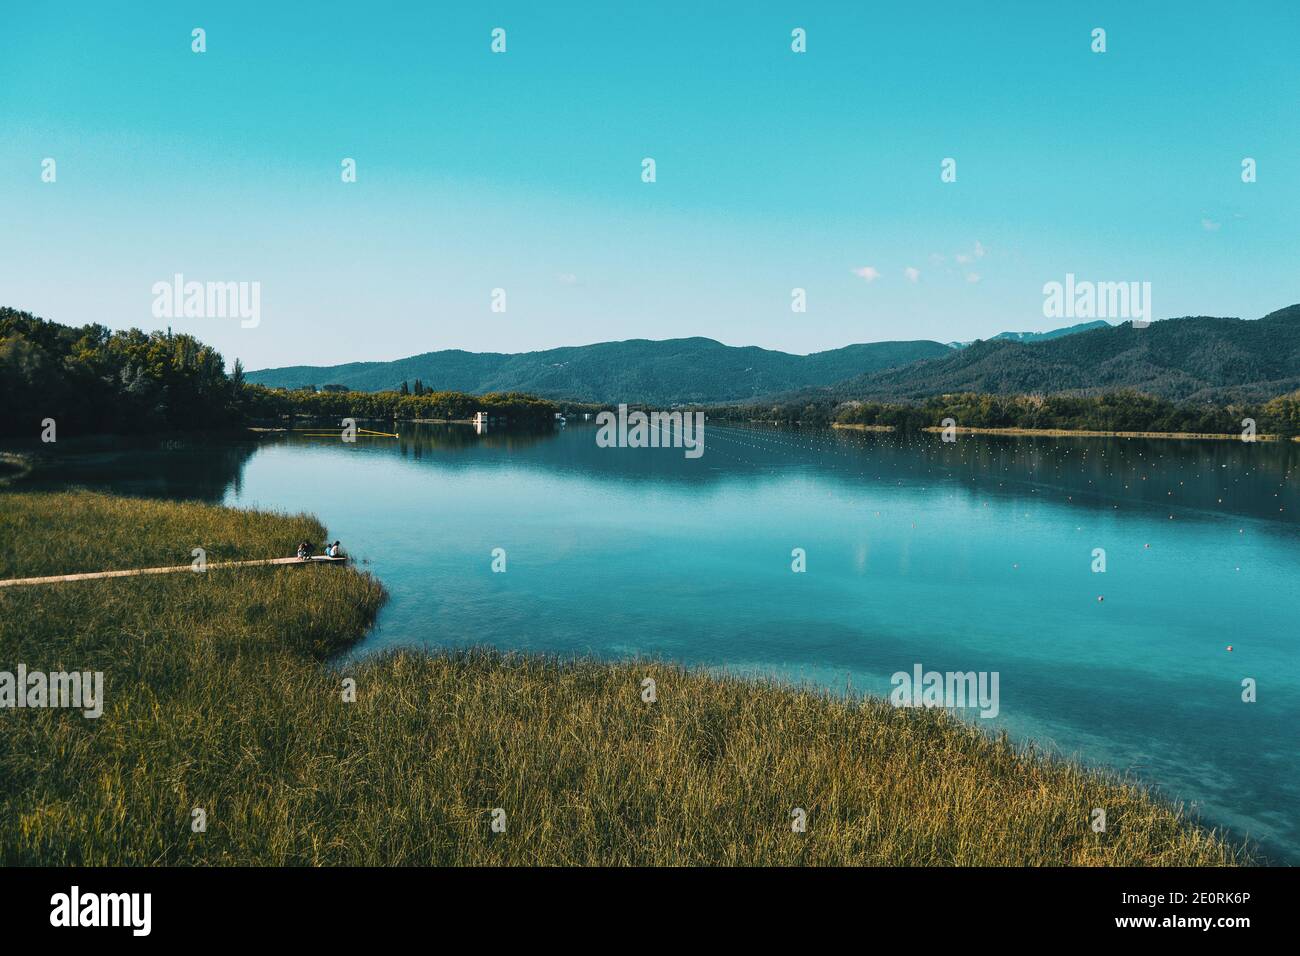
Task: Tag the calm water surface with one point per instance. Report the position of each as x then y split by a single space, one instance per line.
974 556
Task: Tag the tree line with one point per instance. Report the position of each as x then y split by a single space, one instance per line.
1123 410
270 404
94 380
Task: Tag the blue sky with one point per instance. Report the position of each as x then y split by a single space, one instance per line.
522 170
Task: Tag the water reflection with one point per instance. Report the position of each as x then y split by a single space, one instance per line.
206 468
1257 480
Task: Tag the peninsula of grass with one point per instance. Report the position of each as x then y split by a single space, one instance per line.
220 695
12 466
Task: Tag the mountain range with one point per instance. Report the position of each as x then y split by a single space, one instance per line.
1042 336
1199 358
1191 359
672 371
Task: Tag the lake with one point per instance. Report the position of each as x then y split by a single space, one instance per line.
971 556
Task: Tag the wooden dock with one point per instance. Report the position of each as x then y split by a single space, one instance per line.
90 575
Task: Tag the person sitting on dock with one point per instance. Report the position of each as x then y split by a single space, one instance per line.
304 550
332 550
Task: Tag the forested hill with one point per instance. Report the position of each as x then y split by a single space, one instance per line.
694 370
1188 359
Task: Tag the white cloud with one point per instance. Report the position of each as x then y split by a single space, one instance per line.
912 274
965 258
1209 225
870 273
973 277
568 278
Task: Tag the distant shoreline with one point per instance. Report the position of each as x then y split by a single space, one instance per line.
1066 433
413 421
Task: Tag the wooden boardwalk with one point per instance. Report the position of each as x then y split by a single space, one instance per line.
89 575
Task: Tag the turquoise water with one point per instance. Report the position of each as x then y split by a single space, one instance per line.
974 556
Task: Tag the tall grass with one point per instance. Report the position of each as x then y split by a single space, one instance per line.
219 695
47 534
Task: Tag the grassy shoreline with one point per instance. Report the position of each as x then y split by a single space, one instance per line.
1067 433
13 467
220 694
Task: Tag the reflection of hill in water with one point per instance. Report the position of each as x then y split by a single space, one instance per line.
200 468
417 440
1221 477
